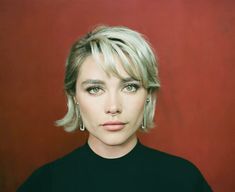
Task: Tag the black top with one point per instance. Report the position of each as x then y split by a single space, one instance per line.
142 169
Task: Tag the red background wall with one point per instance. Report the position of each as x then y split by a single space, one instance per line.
195 113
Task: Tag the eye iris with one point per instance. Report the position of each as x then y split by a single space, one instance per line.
130 88
95 90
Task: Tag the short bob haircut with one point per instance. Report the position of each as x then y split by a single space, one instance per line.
137 58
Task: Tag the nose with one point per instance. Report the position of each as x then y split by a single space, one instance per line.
113 104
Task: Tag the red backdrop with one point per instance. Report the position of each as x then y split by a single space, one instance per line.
194 41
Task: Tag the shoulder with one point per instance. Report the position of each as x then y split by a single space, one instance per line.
165 159
66 162
43 177
174 169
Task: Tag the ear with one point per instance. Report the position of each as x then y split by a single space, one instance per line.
151 95
75 100
147 100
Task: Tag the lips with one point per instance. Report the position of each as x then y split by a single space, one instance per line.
114 125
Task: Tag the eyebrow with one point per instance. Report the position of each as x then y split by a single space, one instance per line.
128 79
92 81
100 82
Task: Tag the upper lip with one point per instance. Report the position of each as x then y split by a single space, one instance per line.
113 123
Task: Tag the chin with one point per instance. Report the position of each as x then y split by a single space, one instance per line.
115 140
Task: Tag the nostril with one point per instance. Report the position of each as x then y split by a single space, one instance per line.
113 112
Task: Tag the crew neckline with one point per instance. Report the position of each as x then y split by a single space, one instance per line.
127 156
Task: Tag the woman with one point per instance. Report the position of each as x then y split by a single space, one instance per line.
111 82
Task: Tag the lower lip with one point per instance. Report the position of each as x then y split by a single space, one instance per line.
114 127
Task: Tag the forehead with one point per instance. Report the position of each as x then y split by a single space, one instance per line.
94 68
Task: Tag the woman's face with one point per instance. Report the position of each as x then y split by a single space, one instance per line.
111 108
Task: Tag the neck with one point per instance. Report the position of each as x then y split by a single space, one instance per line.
111 151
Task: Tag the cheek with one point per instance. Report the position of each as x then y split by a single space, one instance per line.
89 108
134 107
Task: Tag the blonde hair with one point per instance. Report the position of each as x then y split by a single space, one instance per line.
137 58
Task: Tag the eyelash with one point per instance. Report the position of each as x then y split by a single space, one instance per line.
92 88
132 85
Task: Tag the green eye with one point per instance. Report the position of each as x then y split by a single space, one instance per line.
130 88
94 90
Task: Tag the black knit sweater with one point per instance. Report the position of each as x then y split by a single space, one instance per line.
142 169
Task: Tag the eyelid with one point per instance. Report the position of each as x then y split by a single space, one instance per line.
92 87
136 86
